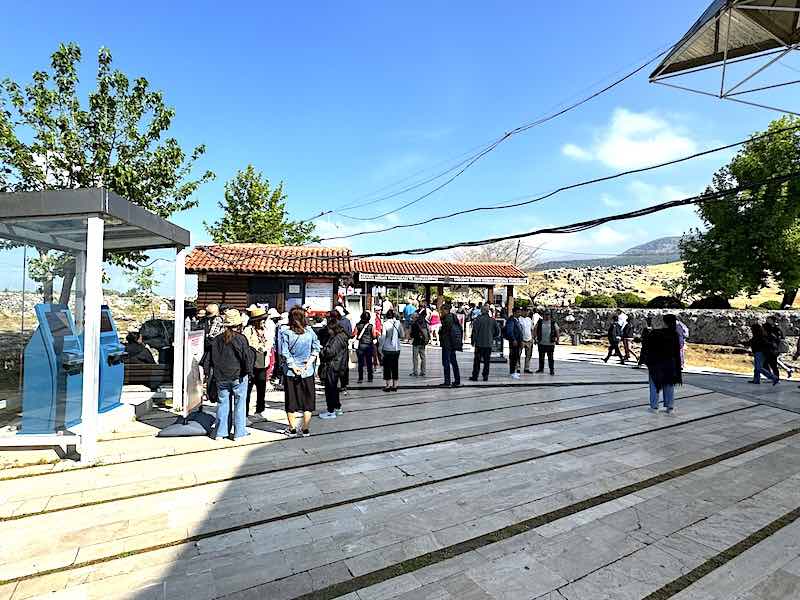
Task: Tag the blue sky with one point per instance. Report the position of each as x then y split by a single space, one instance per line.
339 99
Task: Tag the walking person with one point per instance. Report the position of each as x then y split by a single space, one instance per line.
614 338
365 346
299 347
777 346
347 326
514 334
759 346
333 360
627 340
259 333
484 331
389 349
420 337
232 365
451 339
526 322
664 364
546 337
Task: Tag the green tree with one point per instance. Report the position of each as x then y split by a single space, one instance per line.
142 294
50 139
755 234
253 212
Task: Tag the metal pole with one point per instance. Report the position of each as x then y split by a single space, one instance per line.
91 337
22 324
177 345
725 56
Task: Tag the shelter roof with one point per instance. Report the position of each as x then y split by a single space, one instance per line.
268 258
56 219
407 270
744 27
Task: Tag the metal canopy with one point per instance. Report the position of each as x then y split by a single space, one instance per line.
730 32
57 219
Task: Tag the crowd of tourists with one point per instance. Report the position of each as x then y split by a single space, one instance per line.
264 350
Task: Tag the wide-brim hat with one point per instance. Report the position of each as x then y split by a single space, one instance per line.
258 314
212 310
233 318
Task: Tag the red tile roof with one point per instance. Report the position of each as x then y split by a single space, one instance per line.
437 268
266 258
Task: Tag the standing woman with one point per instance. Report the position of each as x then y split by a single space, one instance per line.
377 324
365 346
231 362
334 362
260 337
389 348
435 325
299 347
663 359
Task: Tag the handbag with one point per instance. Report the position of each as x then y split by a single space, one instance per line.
783 346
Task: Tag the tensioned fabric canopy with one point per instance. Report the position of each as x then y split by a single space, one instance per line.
731 29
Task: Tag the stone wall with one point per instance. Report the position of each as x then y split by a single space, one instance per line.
722 327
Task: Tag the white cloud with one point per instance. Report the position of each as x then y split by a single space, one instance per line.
607 236
633 140
610 201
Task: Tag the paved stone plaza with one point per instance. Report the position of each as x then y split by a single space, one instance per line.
551 488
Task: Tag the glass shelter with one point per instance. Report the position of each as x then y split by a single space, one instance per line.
62 356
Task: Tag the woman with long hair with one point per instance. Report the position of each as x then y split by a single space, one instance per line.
299 347
389 348
663 360
232 365
365 346
334 362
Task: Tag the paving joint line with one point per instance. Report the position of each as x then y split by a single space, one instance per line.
613 495
327 461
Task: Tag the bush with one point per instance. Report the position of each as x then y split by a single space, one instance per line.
711 302
629 300
771 305
599 301
665 302
579 300
523 303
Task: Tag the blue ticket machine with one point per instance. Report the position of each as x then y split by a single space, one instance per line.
112 369
52 373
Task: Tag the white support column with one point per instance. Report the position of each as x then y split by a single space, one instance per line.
91 338
177 345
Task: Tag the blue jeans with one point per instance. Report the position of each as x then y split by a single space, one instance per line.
236 392
668 391
450 358
760 368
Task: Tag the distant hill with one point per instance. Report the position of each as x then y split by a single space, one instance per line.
657 252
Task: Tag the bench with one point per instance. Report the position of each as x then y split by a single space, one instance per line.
151 376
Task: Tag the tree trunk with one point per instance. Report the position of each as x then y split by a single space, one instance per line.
66 286
789 297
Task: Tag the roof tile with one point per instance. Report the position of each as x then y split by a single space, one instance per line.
266 258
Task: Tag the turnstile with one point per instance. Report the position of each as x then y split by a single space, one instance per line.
112 369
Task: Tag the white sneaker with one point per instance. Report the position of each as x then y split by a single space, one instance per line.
515 376
327 415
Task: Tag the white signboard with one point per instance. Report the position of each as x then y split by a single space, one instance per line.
389 278
193 348
319 296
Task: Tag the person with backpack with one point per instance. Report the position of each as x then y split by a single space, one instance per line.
484 331
614 338
232 364
514 334
364 342
420 337
451 339
299 347
333 360
389 349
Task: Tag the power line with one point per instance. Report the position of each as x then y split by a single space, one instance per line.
529 200
562 229
467 163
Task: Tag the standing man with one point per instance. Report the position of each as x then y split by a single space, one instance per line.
484 331
513 333
451 338
526 322
409 310
345 323
546 336
420 336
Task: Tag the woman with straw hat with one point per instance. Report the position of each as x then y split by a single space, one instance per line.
260 333
231 362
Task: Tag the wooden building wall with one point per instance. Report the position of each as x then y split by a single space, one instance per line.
220 288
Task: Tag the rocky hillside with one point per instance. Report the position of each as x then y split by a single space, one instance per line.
656 252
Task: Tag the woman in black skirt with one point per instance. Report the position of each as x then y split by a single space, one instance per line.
299 346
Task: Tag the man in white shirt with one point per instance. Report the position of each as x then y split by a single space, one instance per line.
526 323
